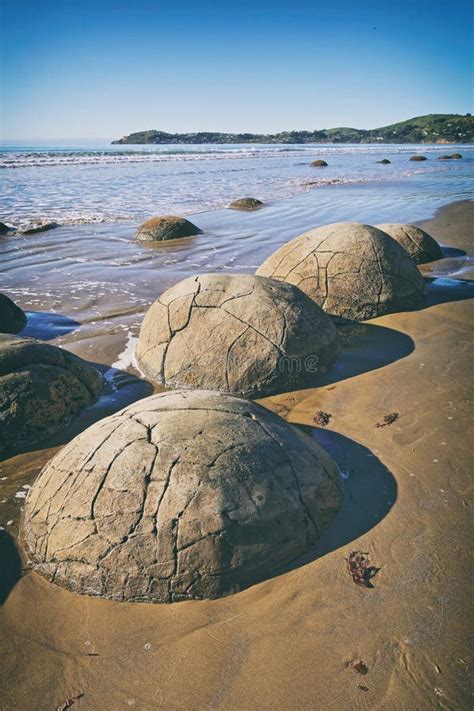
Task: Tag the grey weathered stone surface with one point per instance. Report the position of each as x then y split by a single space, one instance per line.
246 204
166 227
42 388
236 333
419 244
418 158
181 495
319 164
350 269
12 318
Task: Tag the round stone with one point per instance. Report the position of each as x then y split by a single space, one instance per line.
319 164
165 228
418 158
384 161
246 204
236 333
42 388
419 244
456 156
182 495
352 270
12 318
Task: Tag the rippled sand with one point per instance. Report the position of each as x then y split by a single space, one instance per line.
291 641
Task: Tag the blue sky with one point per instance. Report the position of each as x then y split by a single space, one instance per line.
104 68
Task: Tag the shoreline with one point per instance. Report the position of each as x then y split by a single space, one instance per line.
291 641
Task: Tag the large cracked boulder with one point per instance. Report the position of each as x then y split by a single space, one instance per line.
352 270
42 389
166 227
12 318
419 244
181 495
236 333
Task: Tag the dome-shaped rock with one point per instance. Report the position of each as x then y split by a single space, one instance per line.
38 226
181 495
384 161
42 388
456 156
236 333
418 158
352 270
12 318
419 244
246 204
319 164
165 228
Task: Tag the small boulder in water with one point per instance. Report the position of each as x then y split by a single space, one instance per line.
42 388
456 156
384 161
419 244
418 158
246 204
40 226
319 164
12 318
166 227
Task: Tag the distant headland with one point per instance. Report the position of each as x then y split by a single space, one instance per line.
433 128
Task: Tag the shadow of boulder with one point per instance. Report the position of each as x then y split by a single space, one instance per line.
10 565
443 290
450 252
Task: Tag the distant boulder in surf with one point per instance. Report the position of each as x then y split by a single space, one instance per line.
236 333
42 388
12 318
384 161
180 496
246 204
451 156
418 158
419 244
352 270
38 226
166 227
319 164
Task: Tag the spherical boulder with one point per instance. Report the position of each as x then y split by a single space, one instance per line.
352 270
236 333
418 158
384 161
42 388
182 495
159 229
246 204
12 318
446 157
419 244
456 156
319 164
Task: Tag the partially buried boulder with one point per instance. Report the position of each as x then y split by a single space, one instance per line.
319 164
38 226
42 388
182 495
456 156
167 227
246 204
418 158
419 244
12 318
236 333
384 161
352 270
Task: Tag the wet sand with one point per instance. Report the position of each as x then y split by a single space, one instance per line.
289 642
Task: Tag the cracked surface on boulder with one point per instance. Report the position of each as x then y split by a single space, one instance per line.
42 388
351 270
237 333
181 495
419 244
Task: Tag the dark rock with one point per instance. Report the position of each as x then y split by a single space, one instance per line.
38 227
166 227
319 164
42 388
456 156
183 495
4 229
384 161
445 157
12 318
246 204
418 158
